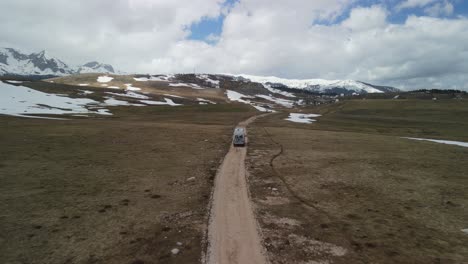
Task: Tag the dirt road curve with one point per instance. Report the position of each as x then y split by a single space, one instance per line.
233 235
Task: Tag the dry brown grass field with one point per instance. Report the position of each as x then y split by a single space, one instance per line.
120 189
349 189
131 187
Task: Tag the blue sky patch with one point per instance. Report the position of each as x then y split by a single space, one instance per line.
209 27
397 16
206 27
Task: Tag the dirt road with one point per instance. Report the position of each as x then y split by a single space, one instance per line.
233 234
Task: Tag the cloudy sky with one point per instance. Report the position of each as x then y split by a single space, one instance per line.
405 43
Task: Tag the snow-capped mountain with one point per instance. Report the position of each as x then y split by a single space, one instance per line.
17 63
319 85
14 62
96 67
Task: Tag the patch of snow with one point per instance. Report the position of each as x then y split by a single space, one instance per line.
83 84
130 94
86 92
235 96
201 100
141 79
263 109
104 79
162 78
170 102
279 101
167 102
302 118
103 111
175 251
12 81
114 87
104 85
465 231
175 96
177 84
191 85
131 88
110 101
457 143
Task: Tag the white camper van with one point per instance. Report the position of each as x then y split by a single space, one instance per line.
239 137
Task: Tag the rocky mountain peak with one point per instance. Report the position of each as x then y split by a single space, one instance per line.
15 62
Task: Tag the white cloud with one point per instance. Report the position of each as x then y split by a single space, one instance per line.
121 32
422 52
212 38
293 39
414 3
440 9
431 7
366 18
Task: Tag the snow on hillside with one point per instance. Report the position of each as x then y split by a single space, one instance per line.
315 85
21 101
17 100
238 97
279 101
276 91
206 78
293 83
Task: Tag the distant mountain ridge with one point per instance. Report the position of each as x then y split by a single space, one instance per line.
319 85
95 66
15 62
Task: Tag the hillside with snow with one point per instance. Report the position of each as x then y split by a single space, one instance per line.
15 62
318 85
